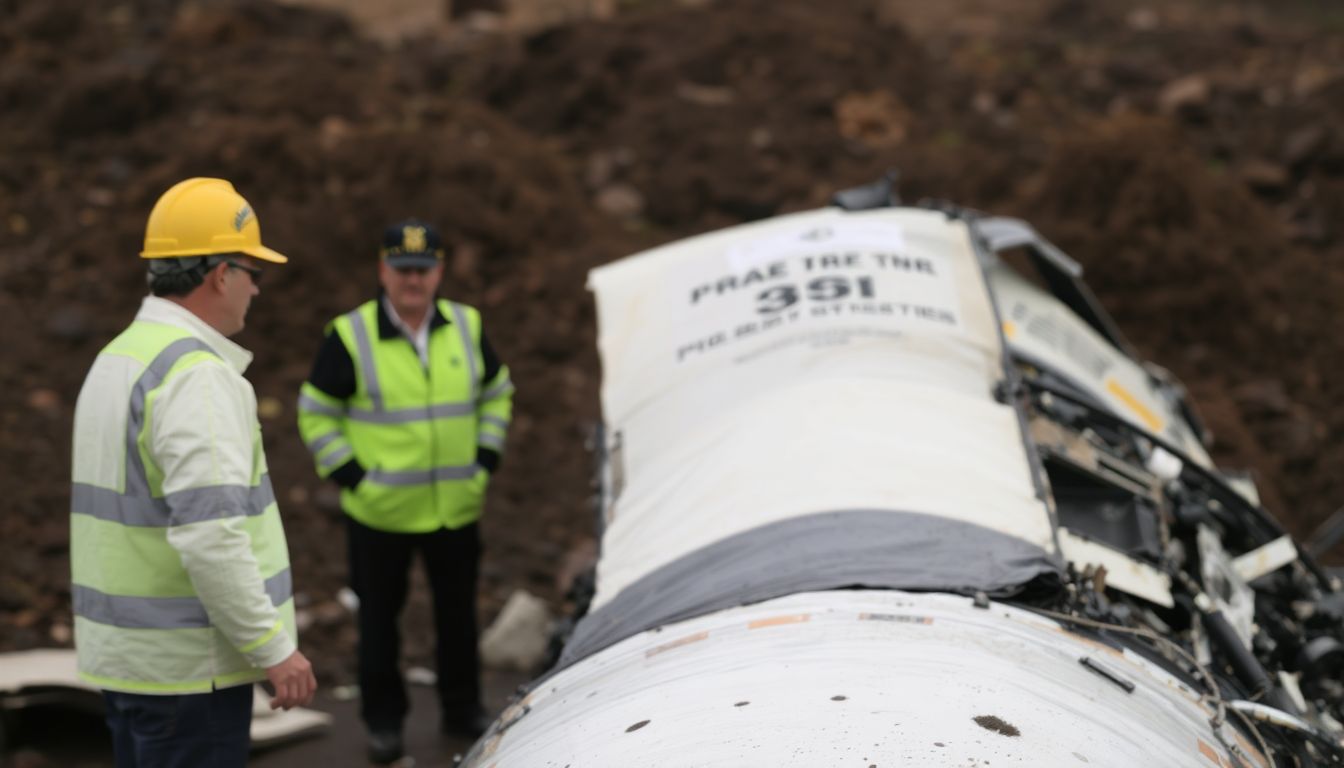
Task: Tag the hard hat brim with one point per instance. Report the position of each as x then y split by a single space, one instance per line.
265 254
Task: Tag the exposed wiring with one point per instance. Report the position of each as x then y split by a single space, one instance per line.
1267 714
1214 694
1244 710
1270 527
1277 717
1250 726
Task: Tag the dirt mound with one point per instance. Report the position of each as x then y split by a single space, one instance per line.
1193 161
717 115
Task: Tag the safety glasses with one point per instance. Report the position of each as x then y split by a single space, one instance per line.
252 272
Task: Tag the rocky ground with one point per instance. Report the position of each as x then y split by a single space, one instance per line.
1190 154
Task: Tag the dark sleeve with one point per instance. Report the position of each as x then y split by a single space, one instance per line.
333 370
334 373
491 360
488 457
348 474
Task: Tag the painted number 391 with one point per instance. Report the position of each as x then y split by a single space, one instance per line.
781 297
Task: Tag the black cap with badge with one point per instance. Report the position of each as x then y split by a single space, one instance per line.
412 244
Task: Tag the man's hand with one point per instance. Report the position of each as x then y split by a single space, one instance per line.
293 682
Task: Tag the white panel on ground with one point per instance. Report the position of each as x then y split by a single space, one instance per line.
56 668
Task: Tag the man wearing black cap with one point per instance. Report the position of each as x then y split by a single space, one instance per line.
406 409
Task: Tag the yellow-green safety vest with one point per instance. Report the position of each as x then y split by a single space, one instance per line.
414 429
139 623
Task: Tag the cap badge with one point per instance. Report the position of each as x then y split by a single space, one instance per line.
413 239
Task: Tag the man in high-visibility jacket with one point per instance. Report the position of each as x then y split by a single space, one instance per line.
406 409
181 582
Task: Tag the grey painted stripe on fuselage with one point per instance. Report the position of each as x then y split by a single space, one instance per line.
421 476
131 612
827 550
181 508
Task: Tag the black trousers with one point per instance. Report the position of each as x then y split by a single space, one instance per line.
380 564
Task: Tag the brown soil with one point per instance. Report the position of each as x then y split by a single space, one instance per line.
1190 154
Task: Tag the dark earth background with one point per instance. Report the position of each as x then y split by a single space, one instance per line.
1190 154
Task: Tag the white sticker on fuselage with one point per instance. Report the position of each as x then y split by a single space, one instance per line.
821 285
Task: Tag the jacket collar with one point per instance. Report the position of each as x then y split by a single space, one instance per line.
386 330
156 310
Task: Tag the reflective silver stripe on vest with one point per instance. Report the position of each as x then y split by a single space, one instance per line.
136 506
315 447
408 415
379 413
130 612
490 441
138 612
421 476
307 403
336 457
280 587
366 365
136 483
502 388
197 505
468 348
495 421
194 505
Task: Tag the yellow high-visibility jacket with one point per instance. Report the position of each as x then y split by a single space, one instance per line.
406 437
181 578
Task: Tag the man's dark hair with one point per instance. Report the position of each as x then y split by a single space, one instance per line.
179 277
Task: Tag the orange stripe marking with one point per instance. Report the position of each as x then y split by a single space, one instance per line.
697 637
1207 750
776 621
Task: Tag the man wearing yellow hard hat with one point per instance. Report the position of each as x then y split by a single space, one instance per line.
181 584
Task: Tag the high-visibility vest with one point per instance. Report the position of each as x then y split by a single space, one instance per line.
140 625
414 429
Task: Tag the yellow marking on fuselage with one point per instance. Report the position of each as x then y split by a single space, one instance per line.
1145 414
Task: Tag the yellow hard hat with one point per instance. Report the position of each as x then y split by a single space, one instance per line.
199 217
